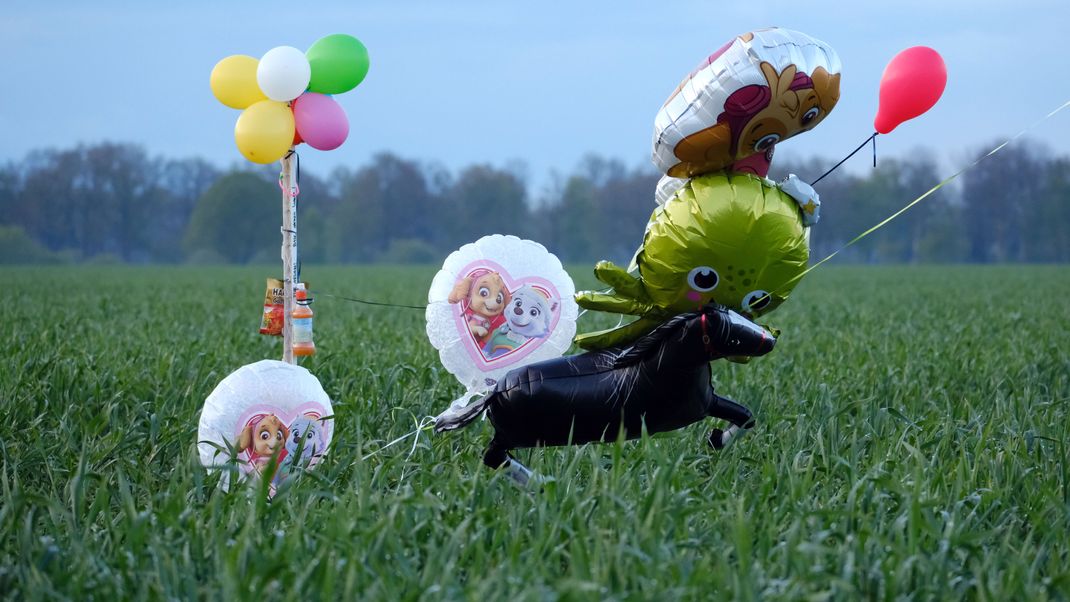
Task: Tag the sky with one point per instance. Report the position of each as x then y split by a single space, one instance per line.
461 82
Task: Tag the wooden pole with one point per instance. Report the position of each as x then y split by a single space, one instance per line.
289 253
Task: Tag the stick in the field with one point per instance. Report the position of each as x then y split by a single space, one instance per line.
289 250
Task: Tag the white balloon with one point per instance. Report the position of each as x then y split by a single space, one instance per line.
283 73
264 410
497 304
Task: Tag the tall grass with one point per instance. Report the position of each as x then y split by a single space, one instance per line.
912 444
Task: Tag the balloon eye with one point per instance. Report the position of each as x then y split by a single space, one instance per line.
500 298
278 436
264 435
809 116
765 142
308 435
703 279
484 292
756 300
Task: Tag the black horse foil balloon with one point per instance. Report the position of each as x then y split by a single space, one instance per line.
660 382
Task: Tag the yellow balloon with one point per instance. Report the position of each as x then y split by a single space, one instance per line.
265 131
233 81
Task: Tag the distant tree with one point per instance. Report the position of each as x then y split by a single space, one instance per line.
852 204
93 199
386 200
625 204
109 202
356 230
18 248
311 235
840 219
579 237
10 192
237 217
943 239
1049 216
184 181
997 197
484 200
408 250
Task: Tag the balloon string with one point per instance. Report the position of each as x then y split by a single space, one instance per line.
376 303
940 185
426 423
842 161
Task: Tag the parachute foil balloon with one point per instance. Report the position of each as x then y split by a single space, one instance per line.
755 91
659 383
728 238
499 303
264 421
912 83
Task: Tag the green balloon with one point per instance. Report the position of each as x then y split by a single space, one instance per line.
339 63
748 233
730 238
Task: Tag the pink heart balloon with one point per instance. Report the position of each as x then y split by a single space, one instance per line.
912 83
320 121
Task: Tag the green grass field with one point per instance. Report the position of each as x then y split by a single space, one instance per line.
913 440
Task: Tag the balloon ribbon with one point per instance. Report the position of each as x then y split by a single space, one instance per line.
940 185
842 161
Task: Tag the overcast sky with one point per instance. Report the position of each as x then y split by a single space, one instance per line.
460 82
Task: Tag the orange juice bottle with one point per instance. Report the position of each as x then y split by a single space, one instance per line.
302 325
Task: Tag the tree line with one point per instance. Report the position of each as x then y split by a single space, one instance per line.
115 203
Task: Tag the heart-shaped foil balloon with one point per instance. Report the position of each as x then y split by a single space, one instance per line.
265 420
499 303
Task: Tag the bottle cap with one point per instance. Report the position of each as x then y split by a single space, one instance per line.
301 294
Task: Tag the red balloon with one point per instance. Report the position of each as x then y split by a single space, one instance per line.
912 83
297 135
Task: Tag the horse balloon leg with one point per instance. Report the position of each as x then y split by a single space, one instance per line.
736 414
498 457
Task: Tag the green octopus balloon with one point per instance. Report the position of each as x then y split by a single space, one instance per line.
726 237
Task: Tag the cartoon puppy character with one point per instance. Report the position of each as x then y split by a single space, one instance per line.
486 297
528 317
756 117
306 434
262 437
307 437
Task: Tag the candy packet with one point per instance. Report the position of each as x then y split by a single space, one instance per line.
271 323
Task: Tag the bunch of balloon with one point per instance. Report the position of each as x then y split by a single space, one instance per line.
286 99
286 95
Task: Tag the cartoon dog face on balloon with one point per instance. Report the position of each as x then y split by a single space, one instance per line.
756 117
307 437
262 437
529 316
485 297
758 97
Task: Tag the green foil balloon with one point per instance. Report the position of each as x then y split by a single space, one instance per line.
339 63
730 238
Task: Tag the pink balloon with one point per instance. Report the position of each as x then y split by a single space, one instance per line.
320 121
912 83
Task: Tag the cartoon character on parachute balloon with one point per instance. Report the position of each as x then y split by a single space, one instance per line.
724 246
